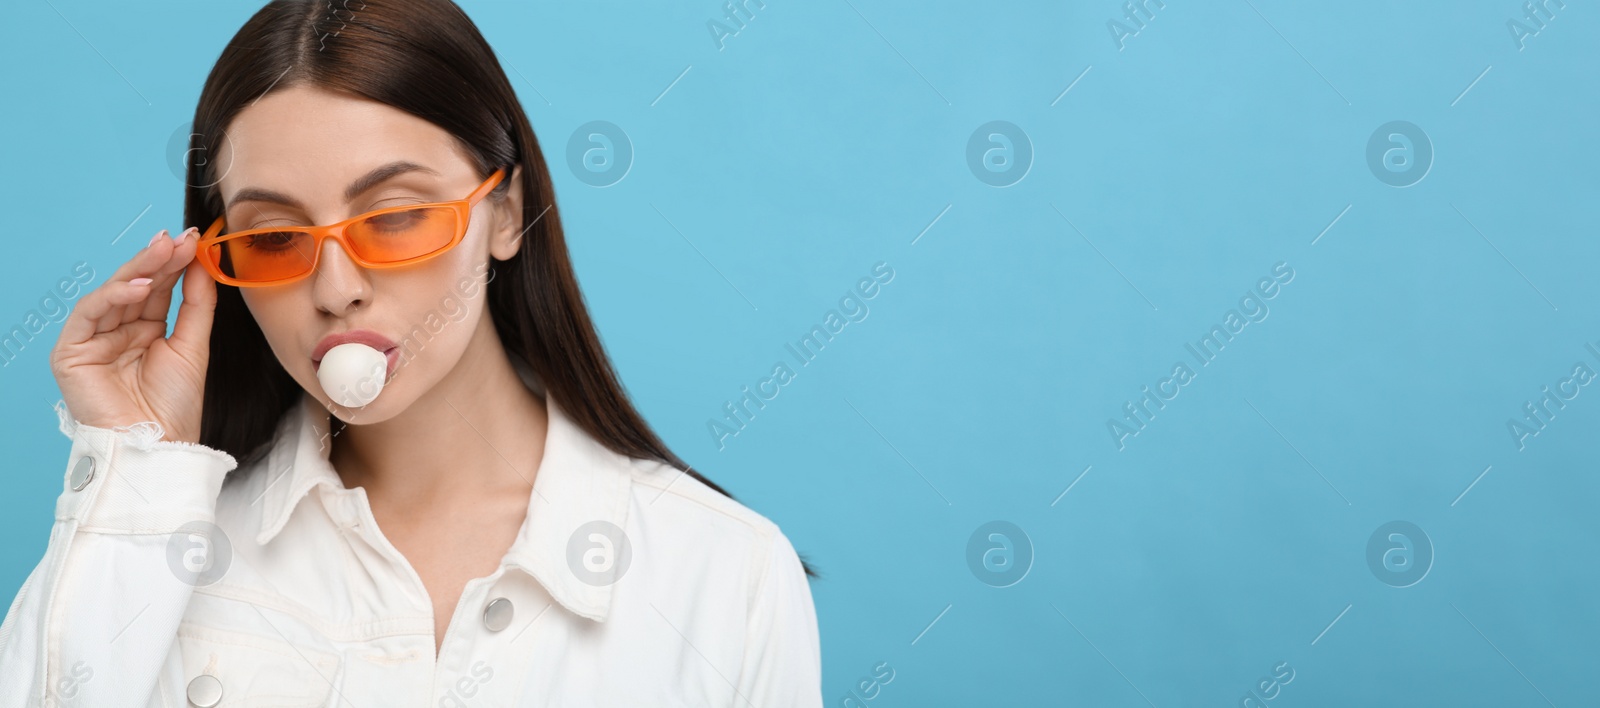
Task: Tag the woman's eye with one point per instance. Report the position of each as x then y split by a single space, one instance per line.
397 220
271 241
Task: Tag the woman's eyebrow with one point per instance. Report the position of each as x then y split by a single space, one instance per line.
356 188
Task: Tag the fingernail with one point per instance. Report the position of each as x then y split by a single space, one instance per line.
159 235
186 233
139 281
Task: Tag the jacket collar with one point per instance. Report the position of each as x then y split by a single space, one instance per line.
579 481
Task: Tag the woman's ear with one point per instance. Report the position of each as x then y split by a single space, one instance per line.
505 239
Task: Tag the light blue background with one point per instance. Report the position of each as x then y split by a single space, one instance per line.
1221 139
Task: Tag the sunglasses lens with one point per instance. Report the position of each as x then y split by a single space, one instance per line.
264 256
397 236
389 237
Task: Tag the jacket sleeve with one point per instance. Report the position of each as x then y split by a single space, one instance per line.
97 617
783 655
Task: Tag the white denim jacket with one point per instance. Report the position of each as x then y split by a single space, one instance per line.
629 584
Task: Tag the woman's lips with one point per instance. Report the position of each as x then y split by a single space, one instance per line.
391 351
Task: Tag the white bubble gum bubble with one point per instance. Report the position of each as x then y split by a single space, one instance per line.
352 374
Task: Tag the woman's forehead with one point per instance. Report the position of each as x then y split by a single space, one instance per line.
306 139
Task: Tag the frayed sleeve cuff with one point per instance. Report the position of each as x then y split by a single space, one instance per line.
129 480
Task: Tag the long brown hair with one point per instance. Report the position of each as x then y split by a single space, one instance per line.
427 58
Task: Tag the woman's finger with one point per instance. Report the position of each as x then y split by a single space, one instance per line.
108 347
160 301
80 325
191 336
144 264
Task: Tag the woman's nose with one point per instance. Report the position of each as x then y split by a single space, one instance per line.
340 284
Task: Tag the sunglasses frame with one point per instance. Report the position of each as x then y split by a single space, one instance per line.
319 234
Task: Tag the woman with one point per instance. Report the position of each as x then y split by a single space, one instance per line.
498 527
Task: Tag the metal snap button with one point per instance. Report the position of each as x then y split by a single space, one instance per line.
205 691
497 615
81 473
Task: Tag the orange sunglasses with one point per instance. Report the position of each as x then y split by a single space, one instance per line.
383 238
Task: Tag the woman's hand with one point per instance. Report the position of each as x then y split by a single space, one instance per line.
114 363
